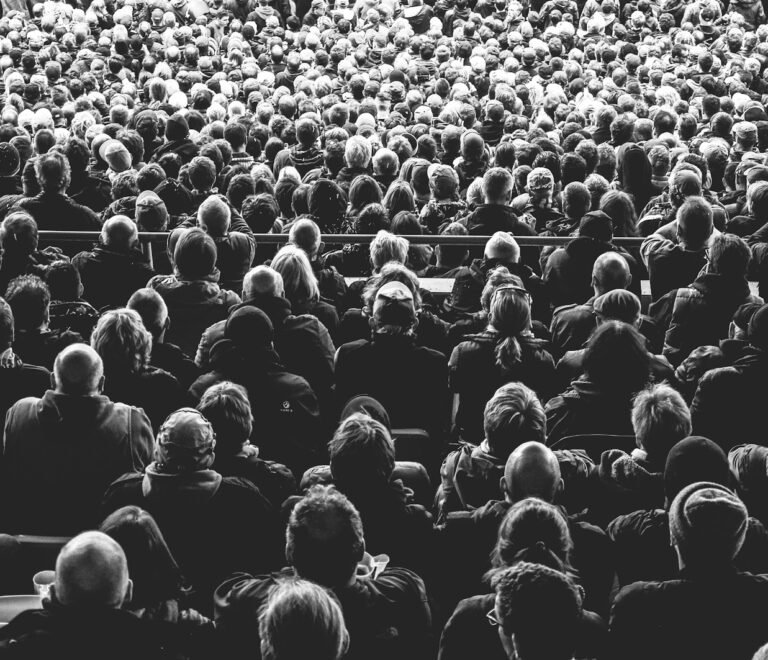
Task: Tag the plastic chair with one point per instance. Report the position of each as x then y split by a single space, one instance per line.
594 444
12 606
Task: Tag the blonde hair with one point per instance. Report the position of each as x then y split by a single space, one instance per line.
299 280
122 341
387 247
510 317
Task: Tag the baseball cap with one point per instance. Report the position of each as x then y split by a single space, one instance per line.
443 179
394 305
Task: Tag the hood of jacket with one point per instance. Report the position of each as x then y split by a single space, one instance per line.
180 292
197 487
102 254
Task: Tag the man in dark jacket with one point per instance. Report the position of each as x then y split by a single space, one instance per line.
302 342
62 451
214 525
386 613
410 381
115 268
53 209
700 314
84 617
712 610
641 538
676 252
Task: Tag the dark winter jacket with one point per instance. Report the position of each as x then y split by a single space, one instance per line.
110 277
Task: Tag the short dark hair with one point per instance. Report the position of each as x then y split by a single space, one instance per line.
63 281
236 134
361 453
29 298
226 406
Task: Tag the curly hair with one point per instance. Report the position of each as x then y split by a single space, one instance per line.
122 341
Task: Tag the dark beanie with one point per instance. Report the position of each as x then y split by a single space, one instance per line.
176 128
597 225
691 460
249 327
707 523
195 255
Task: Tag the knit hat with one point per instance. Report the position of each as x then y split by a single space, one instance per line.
151 213
540 178
185 441
117 156
9 159
249 327
176 128
394 305
692 460
707 522
597 225
618 305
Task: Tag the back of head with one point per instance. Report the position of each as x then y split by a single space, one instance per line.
532 470
302 620
119 233
53 173
151 307
92 572
305 235
514 415
226 406
325 540
533 601
195 255
503 247
618 305
18 234
262 280
386 247
214 216
707 525
610 271
298 277
694 223
660 418
729 256
122 342
78 370
691 460
497 185
6 325
63 280
362 454
616 359
30 299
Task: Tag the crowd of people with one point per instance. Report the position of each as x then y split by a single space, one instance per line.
298 449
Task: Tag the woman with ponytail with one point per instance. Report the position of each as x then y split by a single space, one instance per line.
506 351
533 533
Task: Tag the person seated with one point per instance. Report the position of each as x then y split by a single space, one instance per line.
115 268
627 482
151 307
214 525
52 208
532 532
235 244
469 282
568 271
68 310
226 406
305 235
192 294
533 470
449 259
160 593
19 243
62 450
18 379
616 305
301 619
675 253
290 430
125 347
301 340
84 616
527 595
505 351
386 612
700 314
392 369
616 366
707 528
641 538
34 340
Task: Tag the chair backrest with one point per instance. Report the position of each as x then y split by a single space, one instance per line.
12 606
414 445
594 444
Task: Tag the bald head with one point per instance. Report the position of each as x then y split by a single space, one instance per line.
532 470
305 235
119 233
503 247
264 281
610 271
78 371
214 216
151 307
91 571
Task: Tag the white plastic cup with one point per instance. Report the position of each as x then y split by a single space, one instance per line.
42 582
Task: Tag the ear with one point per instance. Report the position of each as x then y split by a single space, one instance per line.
503 487
560 487
321 247
53 381
128 592
100 386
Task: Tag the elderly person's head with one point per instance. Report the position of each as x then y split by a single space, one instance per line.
357 153
119 233
502 248
78 371
122 342
386 247
262 281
